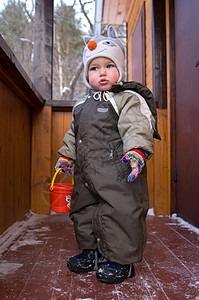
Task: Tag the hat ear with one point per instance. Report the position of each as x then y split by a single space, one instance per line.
112 32
86 39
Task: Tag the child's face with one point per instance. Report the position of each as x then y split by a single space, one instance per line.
102 73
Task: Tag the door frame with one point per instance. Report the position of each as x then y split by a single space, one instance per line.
172 105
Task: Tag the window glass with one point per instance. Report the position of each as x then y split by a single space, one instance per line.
72 20
16 27
71 24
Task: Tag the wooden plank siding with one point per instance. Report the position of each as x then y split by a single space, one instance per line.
114 11
60 125
15 137
159 169
41 159
49 128
18 96
30 135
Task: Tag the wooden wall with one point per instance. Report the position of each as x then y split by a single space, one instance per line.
49 127
159 165
41 159
15 143
60 125
17 99
31 132
114 11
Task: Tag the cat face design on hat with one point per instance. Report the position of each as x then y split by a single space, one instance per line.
101 46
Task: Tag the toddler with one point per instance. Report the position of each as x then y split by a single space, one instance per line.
110 139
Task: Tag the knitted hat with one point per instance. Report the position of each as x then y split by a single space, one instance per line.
101 46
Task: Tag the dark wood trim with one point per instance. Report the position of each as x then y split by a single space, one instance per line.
61 104
159 53
142 13
13 75
172 102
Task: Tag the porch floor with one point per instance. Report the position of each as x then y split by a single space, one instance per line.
33 254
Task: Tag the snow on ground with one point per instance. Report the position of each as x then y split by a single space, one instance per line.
179 221
8 268
12 234
185 224
151 212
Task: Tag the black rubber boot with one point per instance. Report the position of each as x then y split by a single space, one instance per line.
86 261
111 272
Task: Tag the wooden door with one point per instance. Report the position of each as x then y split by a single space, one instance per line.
187 108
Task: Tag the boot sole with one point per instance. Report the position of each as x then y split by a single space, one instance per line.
80 270
114 280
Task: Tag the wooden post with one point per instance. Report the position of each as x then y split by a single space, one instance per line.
41 160
42 118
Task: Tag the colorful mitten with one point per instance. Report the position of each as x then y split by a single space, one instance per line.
66 165
136 158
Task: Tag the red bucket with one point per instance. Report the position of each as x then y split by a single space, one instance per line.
60 195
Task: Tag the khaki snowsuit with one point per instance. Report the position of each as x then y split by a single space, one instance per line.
108 212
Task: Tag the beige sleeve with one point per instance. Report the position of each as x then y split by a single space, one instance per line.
135 123
68 150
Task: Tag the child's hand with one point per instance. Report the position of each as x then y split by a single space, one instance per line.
66 165
136 159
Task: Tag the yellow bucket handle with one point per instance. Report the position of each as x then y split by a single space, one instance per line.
53 180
